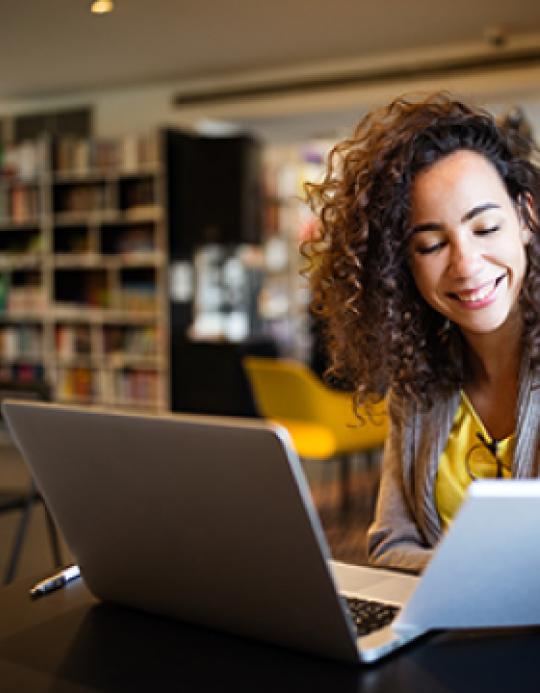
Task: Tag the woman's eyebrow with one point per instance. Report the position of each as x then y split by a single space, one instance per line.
474 212
430 226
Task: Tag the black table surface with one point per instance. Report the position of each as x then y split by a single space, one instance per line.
67 641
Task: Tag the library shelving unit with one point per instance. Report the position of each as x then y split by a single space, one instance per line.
288 222
83 270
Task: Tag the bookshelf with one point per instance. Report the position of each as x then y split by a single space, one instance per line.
83 269
288 221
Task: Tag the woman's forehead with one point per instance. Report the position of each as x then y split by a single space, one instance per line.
456 183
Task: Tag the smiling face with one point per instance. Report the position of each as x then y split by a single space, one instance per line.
467 250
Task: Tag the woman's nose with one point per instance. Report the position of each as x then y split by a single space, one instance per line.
465 259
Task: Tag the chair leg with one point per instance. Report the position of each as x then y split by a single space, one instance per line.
371 459
328 476
19 536
345 482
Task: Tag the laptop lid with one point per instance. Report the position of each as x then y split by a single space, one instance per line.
485 570
205 519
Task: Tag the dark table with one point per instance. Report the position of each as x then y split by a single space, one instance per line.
67 641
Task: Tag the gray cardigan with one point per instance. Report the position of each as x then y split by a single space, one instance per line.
407 525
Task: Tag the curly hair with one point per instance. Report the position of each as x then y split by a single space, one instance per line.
379 331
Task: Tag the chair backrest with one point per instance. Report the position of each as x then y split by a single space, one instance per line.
284 388
287 391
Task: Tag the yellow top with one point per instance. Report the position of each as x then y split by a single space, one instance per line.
468 456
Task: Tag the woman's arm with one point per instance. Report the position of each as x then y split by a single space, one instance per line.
394 538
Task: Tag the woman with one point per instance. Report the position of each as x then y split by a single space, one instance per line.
427 278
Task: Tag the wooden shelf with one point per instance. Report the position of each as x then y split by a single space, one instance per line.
16 181
26 316
75 399
16 261
102 240
8 224
33 359
150 213
101 315
111 262
106 362
97 174
142 361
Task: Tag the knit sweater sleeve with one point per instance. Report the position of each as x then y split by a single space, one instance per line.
394 538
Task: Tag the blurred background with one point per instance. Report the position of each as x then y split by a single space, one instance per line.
152 163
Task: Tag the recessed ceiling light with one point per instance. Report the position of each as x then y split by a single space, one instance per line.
101 6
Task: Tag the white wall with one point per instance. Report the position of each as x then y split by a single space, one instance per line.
144 107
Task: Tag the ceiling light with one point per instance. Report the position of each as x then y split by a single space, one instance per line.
101 6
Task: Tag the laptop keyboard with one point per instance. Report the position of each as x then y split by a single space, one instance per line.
369 615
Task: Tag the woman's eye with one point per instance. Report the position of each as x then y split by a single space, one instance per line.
426 250
485 232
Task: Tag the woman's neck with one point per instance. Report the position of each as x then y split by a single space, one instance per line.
494 361
496 357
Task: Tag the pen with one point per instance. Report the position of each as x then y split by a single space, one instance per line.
56 581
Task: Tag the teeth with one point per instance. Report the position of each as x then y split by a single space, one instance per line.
477 295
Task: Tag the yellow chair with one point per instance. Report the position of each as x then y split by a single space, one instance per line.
318 418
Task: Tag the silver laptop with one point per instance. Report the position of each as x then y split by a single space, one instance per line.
210 520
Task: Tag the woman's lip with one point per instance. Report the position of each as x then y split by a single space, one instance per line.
464 294
476 289
482 294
